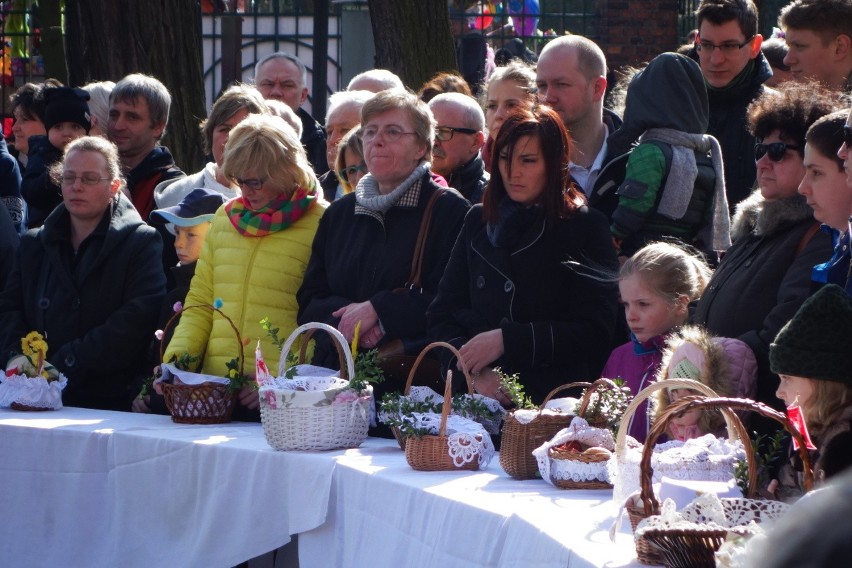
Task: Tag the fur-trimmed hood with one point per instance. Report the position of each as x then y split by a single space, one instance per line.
730 369
755 215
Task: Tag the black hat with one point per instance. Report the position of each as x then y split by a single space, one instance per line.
817 342
64 104
197 207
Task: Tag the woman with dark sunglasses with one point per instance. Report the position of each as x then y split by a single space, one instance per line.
766 274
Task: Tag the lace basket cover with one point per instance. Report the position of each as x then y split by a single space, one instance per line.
569 470
707 458
466 440
554 407
709 513
35 392
426 394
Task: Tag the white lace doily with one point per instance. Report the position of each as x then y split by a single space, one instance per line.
426 394
554 407
578 431
36 392
466 440
701 459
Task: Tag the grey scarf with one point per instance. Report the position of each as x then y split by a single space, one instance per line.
367 193
674 201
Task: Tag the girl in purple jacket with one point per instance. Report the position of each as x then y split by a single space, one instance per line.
656 285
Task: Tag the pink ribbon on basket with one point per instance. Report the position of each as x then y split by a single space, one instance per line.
262 375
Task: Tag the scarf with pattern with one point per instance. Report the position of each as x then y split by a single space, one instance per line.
276 216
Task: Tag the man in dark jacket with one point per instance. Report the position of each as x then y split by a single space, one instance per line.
459 139
284 77
10 186
571 78
138 115
734 68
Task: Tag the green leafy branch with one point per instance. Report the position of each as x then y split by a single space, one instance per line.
514 389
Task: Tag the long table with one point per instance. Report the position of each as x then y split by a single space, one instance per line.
93 488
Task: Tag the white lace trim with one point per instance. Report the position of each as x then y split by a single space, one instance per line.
35 392
426 394
701 459
554 407
466 440
579 431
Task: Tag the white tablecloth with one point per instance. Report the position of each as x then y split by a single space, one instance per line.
93 488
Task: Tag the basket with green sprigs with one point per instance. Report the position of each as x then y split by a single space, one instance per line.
395 409
529 426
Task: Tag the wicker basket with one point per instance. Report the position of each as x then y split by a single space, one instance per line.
431 453
696 548
288 425
400 439
557 454
207 403
519 439
582 409
647 553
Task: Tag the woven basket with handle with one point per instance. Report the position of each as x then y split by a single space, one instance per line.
207 403
684 548
519 439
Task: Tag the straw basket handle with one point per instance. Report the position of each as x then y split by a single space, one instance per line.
557 390
407 390
448 403
347 365
642 395
679 407
174 319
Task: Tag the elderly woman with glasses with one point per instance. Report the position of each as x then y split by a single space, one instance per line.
766 274
361 265
255 253
90 280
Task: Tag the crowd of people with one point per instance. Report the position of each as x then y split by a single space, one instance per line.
715 210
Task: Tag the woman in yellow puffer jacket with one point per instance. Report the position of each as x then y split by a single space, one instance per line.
256 251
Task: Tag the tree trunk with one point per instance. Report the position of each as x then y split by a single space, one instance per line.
108 39
413 39
52 48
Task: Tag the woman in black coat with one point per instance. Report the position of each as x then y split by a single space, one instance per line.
529 286
90 280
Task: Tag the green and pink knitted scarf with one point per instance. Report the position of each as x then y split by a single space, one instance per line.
278 214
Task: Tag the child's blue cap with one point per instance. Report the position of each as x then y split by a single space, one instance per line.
199 206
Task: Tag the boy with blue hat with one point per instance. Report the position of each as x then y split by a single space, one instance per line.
190 219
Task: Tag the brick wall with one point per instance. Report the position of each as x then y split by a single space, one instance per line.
635 31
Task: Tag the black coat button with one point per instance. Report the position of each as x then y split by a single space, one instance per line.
480 282
75 304
507 287
70 360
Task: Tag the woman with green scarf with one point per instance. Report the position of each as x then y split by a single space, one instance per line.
256 251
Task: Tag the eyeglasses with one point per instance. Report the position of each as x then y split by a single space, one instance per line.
776 150
847 136
252 184
445 133
88 179
727 48
390 133
352 170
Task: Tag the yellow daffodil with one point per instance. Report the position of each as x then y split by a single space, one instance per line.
34 345
355 339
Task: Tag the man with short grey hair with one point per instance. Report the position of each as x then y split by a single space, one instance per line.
138 115
375 81
282 76
344 114
459 138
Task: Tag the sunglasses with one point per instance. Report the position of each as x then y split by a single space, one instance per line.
847 136
776 150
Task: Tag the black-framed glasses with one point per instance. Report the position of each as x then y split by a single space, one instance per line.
253 184
727 48
86 179
352 170
847 136
445 133
776 150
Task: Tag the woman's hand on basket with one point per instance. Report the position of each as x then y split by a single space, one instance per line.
482 350
141 404
487 383
249 397
353 313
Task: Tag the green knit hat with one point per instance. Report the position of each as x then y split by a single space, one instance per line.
817 342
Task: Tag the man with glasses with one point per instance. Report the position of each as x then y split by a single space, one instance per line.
344 114
819 40
459 138
728 51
